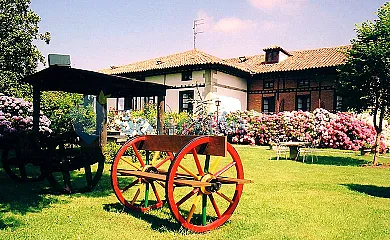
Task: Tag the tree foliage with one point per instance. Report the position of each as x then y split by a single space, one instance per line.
365 77
66 113
19 56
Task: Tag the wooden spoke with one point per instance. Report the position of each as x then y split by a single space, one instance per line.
161 184
215 164
138 155
193 208
204 209
197 162
130 185
66 177
155 192
146 199
212 200
130 163
136 195
88 174
156 155
186 197
22 170
190 172
224 197
224 169
163 161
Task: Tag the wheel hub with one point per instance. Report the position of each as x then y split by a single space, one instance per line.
215 184
150 169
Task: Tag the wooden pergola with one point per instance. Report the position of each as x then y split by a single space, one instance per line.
56 78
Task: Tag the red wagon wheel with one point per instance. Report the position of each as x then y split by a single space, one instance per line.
139 193
202 190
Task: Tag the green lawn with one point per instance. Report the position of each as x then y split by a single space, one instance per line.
333 198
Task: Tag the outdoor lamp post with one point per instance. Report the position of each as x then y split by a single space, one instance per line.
217 104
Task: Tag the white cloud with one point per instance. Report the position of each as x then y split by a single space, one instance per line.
286 5
231 25
227 25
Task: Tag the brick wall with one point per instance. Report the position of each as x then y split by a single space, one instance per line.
254 102
327 97
288 80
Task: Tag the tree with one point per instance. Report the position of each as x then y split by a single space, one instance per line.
365 77
19 56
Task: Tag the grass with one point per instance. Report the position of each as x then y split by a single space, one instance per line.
332 198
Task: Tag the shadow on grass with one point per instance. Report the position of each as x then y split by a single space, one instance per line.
336 161
102 189
9 222
21 198
157 223
375 191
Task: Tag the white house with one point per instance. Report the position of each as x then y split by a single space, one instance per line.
273 81
191 75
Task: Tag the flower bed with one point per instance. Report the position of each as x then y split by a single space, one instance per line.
341 130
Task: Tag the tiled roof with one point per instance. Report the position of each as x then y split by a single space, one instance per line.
276 47
188 58
298 60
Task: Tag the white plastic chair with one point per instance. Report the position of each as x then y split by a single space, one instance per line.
280 151
306 152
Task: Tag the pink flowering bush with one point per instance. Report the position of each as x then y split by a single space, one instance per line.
16 116
324 129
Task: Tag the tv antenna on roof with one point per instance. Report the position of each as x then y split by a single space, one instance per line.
197 22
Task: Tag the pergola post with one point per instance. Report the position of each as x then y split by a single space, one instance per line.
160 114
36 108
101 122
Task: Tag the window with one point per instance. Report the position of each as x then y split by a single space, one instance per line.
303 103
268 104
303 82
186 76
272 56
268 84
185 103
339 103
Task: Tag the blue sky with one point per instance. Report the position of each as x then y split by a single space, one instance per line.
101 33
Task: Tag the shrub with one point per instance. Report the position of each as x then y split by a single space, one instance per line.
110 150
176 121
16 116
325 129
58 106
84 119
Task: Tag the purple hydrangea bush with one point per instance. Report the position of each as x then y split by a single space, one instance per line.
325 129
16 116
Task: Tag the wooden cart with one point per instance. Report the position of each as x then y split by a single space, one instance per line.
28 157
201 178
